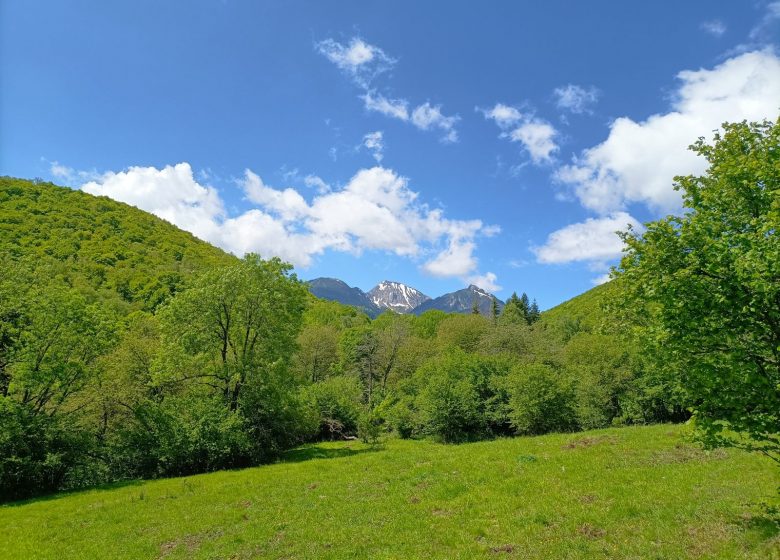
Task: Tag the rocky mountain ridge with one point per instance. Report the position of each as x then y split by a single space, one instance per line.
402 298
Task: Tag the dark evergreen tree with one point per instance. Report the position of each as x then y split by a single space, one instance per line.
533 313
525 307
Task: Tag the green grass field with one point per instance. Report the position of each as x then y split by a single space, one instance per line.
617 493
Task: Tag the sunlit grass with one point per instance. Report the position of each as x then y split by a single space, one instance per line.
617 493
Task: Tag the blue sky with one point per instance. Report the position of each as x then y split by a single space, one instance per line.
436 144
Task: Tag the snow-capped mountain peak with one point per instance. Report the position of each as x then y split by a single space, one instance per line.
396 296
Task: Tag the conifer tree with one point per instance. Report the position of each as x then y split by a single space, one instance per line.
533 313
525 307
475 306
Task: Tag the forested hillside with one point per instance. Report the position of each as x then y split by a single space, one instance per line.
131 349
99 244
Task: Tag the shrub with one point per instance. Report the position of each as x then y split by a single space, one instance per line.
38 455
370 426
541 400
450 401
336 404
182 436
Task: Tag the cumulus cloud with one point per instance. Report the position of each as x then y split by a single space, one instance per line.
487 282
714 27
374 143
638 160
361 61
576 99
537 136
593 240
538 139
375 211
171 193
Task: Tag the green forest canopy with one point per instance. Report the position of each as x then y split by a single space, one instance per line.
131 349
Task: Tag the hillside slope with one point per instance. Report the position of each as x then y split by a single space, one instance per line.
107 245
584 312
624 493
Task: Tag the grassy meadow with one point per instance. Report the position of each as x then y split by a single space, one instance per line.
639 492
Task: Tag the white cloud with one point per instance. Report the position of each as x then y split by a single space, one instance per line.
638 160
536 135
714 27
424 117
427 117
576 99
363 62
395 108
315 182
68 175
287 203
595 239
457 260
504 115
375 211
538 138
374 142
599 280
487 282
170 193
359 60
761 32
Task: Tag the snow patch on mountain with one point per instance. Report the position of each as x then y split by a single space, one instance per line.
396 296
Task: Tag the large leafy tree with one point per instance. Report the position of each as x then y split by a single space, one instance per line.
708 283
234 326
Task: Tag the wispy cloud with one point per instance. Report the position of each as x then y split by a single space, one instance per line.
714 27
536 135
374 143
428 117
576 99
362 62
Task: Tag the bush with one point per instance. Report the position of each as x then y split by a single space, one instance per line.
541 400
336 404
37 455
401 416
370 426
182 436
450 402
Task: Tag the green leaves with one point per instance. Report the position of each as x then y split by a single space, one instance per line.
708 283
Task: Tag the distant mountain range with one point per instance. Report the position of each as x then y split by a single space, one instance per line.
462 301
402 298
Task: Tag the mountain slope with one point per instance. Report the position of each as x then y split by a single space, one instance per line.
584 312
101 244
334 289
461 301
396 296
